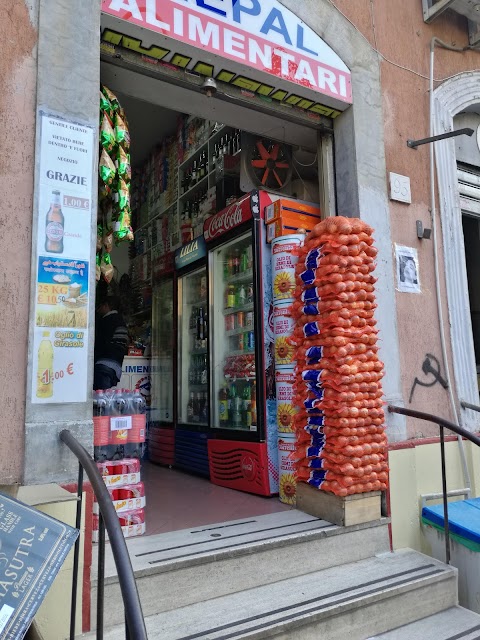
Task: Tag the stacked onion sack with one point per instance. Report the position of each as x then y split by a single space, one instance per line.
341 446
113 224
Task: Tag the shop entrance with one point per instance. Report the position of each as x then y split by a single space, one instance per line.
170 289
226 158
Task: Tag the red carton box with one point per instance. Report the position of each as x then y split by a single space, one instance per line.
117 473
132 523
126 498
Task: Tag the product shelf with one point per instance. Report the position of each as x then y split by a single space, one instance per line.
245 352
196 187
236 332
246 276
245 307
155 217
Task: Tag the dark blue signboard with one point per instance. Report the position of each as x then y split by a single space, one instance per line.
33 547
190 252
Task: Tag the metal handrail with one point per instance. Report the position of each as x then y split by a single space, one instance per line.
442 424
467 405
134 620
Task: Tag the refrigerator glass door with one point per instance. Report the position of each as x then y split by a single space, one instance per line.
192 348
162 351
233 367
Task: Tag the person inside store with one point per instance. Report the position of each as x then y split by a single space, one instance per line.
111 342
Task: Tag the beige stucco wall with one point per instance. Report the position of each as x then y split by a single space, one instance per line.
416 471
397 31
17 136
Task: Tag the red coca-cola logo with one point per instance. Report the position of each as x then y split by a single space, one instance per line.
249 468
225 220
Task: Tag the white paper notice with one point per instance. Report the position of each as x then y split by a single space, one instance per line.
408 278
60 349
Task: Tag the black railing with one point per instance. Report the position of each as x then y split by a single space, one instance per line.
442 424
108 519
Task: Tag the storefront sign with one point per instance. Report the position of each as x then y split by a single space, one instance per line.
257 45
33 547
190 252
227 219
65 192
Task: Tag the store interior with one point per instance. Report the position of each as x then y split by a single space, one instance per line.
184 169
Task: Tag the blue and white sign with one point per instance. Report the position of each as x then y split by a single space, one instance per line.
258 45
191 252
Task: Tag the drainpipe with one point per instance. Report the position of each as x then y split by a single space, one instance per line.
444 45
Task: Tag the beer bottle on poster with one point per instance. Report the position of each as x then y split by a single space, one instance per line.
45 367
54 226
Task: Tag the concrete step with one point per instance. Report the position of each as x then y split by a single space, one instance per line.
184 567
455 623
355 601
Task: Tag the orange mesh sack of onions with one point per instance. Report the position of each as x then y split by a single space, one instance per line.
339 425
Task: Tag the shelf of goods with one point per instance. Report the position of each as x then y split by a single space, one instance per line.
174 197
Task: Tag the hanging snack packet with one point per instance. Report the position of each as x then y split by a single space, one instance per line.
107 135
105 107
106 267
122 135
122 230
106 169
99 236
124 168
112 98
98 271
122 195
104 192
107 238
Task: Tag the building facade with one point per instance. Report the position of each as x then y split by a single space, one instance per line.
52 64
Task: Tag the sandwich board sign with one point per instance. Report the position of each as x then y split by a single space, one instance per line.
33 547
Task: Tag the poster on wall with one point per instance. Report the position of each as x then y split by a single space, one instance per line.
408 279
60 341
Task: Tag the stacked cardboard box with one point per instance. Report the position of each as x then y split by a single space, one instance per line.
284 217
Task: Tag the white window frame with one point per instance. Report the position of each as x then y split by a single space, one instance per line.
451 98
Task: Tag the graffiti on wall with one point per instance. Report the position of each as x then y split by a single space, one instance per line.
431 370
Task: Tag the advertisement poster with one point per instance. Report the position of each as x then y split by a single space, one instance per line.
60 349
65 196
33 548
408 280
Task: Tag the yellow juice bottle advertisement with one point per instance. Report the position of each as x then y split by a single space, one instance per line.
45 367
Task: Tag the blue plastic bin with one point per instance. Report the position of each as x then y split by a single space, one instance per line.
464 525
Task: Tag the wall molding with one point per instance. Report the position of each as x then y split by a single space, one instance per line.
453 97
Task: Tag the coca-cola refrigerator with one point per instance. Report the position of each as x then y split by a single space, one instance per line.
242 449
192 398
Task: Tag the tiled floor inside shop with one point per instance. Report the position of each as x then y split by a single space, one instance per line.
177 500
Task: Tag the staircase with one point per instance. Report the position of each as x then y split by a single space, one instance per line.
287 575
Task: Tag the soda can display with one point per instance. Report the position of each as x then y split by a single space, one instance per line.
229 322
283 327
284 259
250 340
240 319
288 477
286 410
249 319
